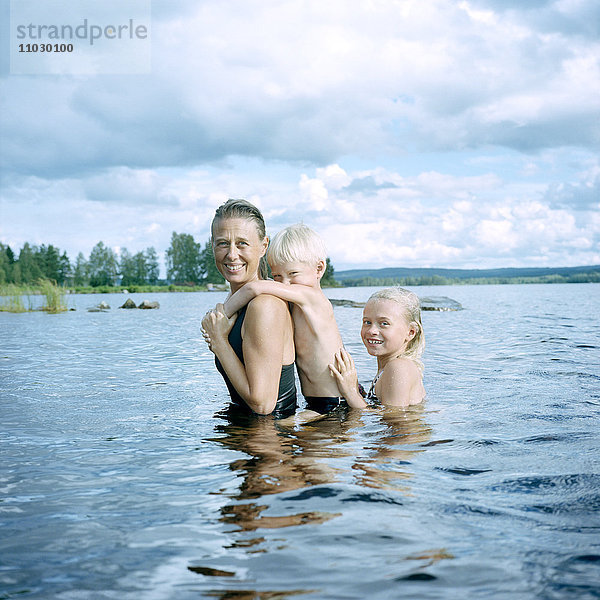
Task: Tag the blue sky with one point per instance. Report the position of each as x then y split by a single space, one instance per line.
415 133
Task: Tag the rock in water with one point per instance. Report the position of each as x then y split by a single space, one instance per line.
103 306
149 304
441 303
351 303
129 303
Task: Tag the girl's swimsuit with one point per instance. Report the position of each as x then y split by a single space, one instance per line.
371 393
286 397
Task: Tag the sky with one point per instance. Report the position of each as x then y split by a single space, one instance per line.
407 133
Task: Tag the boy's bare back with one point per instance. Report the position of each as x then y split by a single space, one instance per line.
317 339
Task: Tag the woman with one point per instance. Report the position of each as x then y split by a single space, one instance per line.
255 351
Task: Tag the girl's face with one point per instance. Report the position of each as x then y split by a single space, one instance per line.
385 329
238 249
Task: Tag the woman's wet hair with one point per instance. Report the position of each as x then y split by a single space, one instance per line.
411 306
242 209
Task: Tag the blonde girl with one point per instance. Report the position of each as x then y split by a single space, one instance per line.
392 332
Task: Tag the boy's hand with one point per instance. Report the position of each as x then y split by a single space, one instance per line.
216 327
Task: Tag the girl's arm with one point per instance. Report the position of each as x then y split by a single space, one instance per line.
297 293
346 377
256 381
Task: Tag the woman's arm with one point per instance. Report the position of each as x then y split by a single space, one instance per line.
346 377
256 381
297 294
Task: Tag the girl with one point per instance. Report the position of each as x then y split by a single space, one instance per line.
391 331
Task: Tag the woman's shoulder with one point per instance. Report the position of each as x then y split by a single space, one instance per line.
265 304
267 301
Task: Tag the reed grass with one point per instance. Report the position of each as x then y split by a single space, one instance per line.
12 298
20 298
55 296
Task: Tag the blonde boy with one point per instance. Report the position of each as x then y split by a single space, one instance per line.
297 258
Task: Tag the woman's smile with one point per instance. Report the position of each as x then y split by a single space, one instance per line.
238 249
234 268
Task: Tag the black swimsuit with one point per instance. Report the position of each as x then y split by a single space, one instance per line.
324 404
286 397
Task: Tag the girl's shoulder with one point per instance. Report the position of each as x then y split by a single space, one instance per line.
402 364
401 383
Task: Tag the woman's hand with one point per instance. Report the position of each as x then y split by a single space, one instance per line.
216 327
344 372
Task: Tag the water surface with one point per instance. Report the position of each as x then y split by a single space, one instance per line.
123 477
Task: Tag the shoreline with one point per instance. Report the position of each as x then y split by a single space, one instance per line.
12 289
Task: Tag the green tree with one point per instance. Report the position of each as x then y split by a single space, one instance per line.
140 268
81 272
208 270
65 271
52 264
15 274
127 268
30 271
47 258
183 259
5 266
7 262
152 268
328 279
102 266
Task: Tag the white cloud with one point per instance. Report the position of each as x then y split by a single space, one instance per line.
316 84
314 192
424 132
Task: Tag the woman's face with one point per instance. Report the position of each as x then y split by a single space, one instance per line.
238 249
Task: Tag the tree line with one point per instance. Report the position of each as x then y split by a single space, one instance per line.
586 277
187 263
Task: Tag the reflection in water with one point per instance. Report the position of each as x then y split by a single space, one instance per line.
394 448
254 595
331 461
278 461
369 449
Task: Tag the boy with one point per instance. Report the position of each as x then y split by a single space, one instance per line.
297 258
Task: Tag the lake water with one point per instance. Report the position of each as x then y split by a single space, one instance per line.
121 479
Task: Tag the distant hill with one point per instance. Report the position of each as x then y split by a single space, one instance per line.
433 276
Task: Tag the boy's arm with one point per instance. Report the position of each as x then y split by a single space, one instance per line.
239 299
297 294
